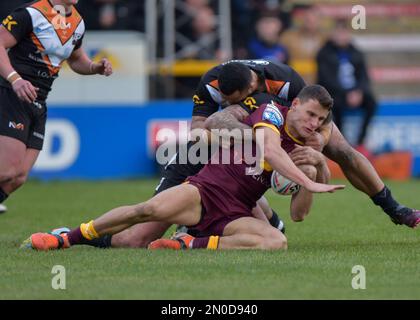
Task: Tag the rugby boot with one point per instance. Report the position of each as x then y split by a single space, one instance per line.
406 216
46 241
179 241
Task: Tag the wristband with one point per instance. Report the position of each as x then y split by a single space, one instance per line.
13 76
16 80
91 67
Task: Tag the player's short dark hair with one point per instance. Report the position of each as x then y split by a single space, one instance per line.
234 76
318 93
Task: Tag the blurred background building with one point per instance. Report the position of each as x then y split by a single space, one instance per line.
160 49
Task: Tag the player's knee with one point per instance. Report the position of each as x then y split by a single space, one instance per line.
274 240
9 174
20 180
298 216
309 170
147 211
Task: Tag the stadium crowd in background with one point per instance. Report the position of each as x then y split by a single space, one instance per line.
342 70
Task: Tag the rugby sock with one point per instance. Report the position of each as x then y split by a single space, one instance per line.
83 235
274 220
3 195
385 200
211 243
104 242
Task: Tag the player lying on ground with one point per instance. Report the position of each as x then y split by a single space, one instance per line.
216 203
358 170
280 80
231 83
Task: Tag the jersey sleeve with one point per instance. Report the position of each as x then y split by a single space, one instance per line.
296 85
79 43
253 102
18 23
204 105
268 116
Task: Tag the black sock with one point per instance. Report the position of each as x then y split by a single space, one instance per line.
274 220
3 195
102 242
385 200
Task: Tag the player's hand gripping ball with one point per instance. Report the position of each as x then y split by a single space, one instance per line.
282 185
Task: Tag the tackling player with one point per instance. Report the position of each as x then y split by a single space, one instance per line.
358 170
39 37
281 81
220 212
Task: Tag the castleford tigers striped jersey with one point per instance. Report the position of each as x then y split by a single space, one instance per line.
45 39
280 80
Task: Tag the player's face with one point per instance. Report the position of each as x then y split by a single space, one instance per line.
237 96
307 117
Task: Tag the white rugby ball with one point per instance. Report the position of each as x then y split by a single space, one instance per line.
282 185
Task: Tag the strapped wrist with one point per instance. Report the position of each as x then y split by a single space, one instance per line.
16 80
91 67
13 77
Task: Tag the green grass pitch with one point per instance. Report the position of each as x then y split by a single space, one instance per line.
343 230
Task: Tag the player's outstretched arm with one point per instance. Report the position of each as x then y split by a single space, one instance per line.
281 162
80 63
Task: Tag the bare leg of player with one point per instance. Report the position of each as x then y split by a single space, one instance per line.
251 233
363 176
140 235
12 153
181 205
177 205
356 167
28 162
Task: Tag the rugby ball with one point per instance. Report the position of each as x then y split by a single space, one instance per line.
282 185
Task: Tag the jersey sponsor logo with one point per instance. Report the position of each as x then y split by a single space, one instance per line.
251 103
9 23
272 114
17 126
77 37
38 135
197 100
59 21
250 62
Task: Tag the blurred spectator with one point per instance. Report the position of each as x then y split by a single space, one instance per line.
342 71
265 44
6 6
303 41
204 38
113 14
245 13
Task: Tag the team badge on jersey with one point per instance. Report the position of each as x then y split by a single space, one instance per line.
9 23
272 114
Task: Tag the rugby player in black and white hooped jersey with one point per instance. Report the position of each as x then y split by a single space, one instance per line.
34 42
